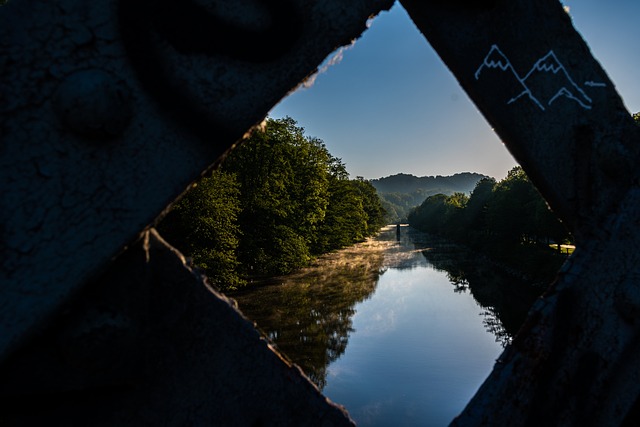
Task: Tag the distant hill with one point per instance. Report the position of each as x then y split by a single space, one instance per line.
402 192
405 183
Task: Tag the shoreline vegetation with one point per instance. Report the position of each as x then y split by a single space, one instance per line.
278 201
508 221
363 259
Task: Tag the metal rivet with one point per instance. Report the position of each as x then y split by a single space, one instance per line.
93 104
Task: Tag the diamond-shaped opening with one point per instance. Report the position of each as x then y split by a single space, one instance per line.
386 105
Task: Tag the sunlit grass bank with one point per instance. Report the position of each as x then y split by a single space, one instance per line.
565 249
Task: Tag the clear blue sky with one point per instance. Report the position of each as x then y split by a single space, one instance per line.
390 105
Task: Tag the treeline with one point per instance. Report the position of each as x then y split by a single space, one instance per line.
398 205
276 201
401 193
508 220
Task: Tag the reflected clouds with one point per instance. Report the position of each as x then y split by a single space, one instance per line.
309 315
381 323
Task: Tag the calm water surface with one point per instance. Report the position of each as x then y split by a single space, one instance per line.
400 332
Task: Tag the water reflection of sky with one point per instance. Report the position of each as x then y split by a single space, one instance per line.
418 352
382 328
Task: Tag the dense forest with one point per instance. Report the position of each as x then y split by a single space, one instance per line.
508 220
279 199
400 193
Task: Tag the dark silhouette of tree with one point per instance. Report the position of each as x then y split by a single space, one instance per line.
509 220
475 215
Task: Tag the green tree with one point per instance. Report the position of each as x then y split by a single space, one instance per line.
203 226
344 214
391 210
517 213
277 200
283 186
453 221
371 204
297 200
509 220
510 213
441 214
430 216
475 215
345 220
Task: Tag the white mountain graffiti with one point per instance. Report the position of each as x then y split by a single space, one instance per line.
546 81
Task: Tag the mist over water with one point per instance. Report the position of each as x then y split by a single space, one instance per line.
392 328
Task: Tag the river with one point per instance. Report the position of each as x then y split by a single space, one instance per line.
400 329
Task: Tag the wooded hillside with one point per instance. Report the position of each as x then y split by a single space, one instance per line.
402 192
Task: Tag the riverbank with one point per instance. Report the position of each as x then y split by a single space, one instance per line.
377 253
532 262
386 327
363 260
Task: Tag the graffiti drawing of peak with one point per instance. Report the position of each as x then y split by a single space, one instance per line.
563 92
549 62
549 79
546 81
496 69
495 59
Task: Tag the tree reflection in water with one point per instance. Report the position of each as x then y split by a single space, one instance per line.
505 298
308 315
